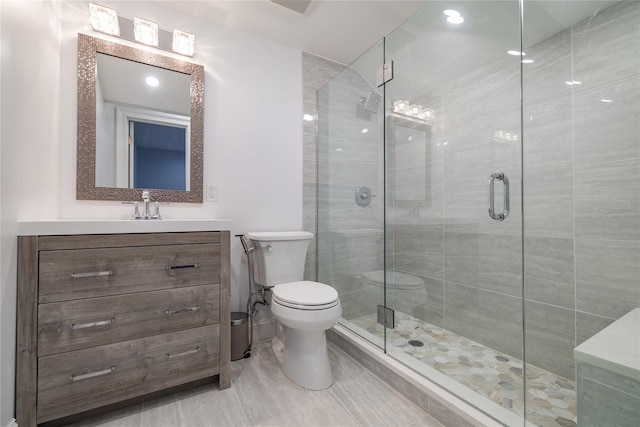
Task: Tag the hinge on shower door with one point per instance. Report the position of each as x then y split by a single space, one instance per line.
384 73
386 317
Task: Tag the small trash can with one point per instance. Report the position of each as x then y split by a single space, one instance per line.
239 334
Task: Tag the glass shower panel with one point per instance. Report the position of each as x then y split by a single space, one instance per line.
454 274
351 189
581 91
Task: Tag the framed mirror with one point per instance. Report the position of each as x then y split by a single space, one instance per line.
134 136
410 160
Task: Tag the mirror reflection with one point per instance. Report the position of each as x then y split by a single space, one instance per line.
410 158
140 124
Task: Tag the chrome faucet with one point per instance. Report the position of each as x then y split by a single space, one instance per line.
145 199
146 196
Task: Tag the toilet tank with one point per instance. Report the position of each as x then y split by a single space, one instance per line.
279 256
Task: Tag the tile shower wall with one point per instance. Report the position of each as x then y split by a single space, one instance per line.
316 72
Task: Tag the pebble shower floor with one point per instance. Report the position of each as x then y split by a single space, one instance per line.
551 399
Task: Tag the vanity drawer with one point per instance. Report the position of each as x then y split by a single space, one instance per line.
81 380
86 273
73 325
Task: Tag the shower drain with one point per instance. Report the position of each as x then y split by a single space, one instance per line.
416 343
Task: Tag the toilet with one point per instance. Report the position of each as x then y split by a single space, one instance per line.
306 309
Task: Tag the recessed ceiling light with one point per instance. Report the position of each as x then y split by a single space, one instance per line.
453 16
152 81
307 117
573 82
365 130
516 53
528 61
607 100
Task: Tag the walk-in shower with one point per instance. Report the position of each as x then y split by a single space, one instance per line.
502 227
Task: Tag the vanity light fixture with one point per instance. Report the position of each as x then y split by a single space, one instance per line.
184 43
145 32
104 19
504 136
414 111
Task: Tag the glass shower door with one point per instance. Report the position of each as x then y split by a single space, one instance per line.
453 200
350 137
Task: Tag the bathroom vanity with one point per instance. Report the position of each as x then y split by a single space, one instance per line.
108 313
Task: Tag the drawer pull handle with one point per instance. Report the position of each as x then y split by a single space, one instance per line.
184 353
92 374
92 324
91 274
182 310
178 267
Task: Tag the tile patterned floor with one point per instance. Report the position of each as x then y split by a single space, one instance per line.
551 399
262 396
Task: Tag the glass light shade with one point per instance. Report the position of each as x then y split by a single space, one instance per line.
145 31
400 106
104 19
183 42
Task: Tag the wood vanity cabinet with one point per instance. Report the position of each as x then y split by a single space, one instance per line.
103 319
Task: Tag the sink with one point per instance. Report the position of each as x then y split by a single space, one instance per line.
61 227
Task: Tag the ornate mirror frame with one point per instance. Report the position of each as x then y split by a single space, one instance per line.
88 48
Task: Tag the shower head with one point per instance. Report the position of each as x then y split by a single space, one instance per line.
371 102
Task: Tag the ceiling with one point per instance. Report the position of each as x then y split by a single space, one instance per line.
340 30
343 30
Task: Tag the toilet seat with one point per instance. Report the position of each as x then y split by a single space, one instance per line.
305 295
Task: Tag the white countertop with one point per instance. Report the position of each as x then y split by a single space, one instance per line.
64 227
616 348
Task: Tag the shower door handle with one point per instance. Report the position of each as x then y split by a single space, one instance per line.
492 212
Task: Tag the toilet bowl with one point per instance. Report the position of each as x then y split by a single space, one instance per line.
306 309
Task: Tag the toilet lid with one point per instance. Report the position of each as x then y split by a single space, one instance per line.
305 293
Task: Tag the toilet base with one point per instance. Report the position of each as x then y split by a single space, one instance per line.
304 358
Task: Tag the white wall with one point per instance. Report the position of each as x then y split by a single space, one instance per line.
29 151
253 135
